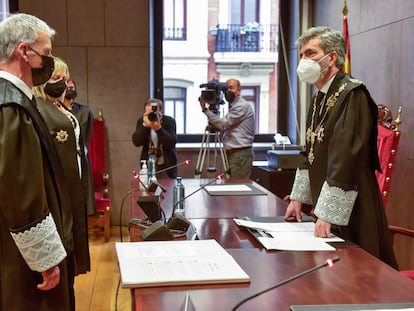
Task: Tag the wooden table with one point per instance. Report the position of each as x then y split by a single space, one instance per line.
203 205
358 278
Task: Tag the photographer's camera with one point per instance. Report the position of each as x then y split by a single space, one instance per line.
153 115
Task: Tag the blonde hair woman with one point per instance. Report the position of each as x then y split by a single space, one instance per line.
66 134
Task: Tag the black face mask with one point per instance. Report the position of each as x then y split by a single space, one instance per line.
56 89
70 94
41 75
230 96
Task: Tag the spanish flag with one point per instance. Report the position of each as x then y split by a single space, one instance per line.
347 65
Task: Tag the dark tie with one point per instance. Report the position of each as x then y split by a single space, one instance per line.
319 98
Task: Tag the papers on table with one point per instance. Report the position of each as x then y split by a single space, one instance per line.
234 189
228 187
293 236
169 263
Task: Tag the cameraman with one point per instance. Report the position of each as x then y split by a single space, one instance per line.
237 127
157 135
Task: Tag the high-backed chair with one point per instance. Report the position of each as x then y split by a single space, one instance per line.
100 178
388 139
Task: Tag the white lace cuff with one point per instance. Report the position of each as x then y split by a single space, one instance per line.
301 187
335 205
40 246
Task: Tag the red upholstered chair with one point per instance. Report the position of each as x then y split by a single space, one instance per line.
100 178
388 140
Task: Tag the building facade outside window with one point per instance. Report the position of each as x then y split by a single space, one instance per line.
224 39
175 19
174 106
4 9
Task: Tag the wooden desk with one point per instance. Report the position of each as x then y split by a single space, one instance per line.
223 230
357 278
278 182
203 205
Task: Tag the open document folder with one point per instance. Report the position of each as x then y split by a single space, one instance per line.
289 236
170 263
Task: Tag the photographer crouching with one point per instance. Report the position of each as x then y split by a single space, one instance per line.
157 135
237 127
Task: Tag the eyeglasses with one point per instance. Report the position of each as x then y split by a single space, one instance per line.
37 53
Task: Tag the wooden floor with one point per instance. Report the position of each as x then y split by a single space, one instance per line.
98 289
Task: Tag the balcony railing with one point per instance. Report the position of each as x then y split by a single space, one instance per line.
175 33
246 38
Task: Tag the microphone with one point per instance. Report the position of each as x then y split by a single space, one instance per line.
173 166
327 263
153 185
160 232
180 223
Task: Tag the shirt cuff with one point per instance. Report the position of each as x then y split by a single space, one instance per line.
40 246
301 187
335 205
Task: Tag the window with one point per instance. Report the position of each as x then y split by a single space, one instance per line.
4 9
174 106
250 94
175 20
244 11
224 39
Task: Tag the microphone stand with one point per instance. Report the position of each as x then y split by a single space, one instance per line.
328 262
153 186
160 232
181 223
173 166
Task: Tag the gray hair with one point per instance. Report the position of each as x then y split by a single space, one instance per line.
19 28
331 40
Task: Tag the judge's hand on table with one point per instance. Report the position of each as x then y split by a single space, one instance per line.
294 211
322 229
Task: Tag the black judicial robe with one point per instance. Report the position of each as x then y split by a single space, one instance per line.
31 186
347 159
62 134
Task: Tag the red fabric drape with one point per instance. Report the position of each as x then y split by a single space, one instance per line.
97 152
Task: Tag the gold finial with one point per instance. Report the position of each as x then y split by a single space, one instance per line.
398 119
100 114
345 9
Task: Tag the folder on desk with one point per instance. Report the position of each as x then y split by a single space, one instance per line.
171 263
274 233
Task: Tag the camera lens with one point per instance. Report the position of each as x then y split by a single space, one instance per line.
153 116
209 96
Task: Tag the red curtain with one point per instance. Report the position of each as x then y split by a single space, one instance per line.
97 152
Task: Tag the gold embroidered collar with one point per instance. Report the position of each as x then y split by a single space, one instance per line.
318 133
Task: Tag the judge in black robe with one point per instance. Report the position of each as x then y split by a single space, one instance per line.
337 176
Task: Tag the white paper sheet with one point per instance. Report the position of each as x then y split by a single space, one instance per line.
294 236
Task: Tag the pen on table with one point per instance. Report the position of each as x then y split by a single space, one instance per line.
264 234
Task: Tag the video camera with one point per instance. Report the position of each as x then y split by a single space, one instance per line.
213 94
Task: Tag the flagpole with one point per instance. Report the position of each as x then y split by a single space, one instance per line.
347 64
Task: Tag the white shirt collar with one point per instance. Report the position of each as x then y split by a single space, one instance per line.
327 85
17 82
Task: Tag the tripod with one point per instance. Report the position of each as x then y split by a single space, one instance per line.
206 150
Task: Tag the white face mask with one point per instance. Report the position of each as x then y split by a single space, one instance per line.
310 71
